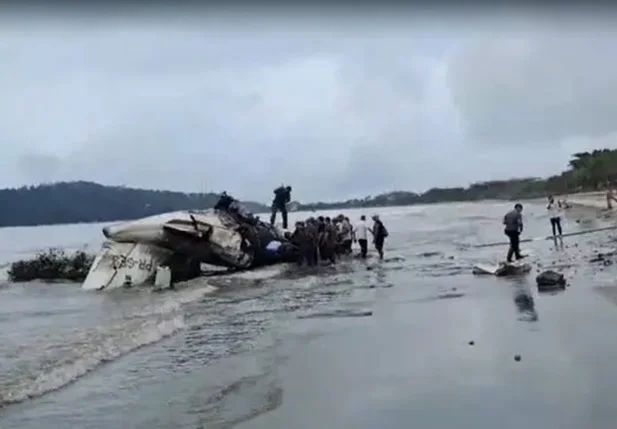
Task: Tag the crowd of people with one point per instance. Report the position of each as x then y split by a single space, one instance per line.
316 239
326 239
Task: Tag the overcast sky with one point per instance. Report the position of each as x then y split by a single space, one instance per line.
336 106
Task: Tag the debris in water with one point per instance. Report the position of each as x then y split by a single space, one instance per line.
428 254
517 358
336 313
502 269
471 343
450 295
383 286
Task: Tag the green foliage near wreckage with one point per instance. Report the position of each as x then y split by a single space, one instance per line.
52 264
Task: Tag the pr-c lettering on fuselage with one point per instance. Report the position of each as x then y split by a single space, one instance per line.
121 261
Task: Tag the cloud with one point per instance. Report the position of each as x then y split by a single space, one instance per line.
536 88
336 112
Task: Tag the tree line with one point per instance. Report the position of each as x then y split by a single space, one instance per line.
587 171
75 202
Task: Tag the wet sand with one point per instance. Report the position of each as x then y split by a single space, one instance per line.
413 364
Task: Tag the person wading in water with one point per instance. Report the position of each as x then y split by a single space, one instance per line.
346 232
554 209
513 221
282 196
360 234
379 235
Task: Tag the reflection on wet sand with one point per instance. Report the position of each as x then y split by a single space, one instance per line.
525 304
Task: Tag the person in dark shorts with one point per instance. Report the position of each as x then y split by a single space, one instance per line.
513 221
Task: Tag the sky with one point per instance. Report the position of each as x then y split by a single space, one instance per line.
336 104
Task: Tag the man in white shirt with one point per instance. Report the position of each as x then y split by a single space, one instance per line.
361 235
554 209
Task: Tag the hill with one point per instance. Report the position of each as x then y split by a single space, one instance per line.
74 202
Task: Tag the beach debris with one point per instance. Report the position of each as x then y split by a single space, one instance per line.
502 269
603 256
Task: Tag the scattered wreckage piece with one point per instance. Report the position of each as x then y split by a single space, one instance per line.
604 256
502 269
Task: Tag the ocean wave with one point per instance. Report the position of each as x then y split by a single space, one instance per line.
62 365
53 363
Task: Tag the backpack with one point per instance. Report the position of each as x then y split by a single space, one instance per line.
384 230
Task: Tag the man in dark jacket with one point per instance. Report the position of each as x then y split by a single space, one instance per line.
379 235
513 221
224 202
282 196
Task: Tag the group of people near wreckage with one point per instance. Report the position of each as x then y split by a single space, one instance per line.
317 238
323 238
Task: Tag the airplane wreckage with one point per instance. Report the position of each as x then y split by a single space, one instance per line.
171 247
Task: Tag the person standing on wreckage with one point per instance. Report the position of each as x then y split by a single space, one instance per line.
282 196
513 221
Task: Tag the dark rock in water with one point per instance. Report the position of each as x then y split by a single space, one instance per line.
550 280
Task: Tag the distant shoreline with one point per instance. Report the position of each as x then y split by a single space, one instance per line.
589 200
